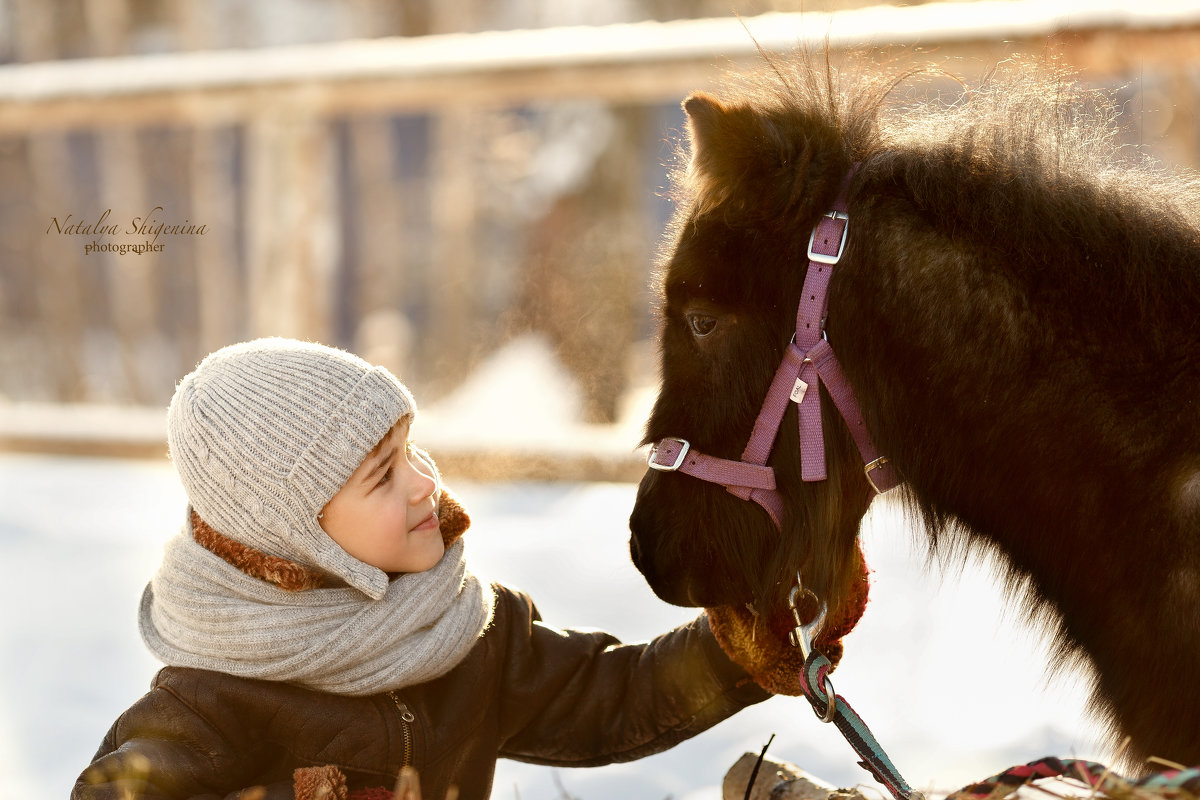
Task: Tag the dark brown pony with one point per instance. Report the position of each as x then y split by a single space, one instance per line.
1018 313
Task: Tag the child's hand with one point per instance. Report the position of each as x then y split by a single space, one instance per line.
763 648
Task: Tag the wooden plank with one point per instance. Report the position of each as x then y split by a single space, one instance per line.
637 62
57 274
220 303
455 278
293 236
212 193
133 282
377 220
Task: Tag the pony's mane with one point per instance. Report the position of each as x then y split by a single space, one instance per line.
1028 155
1027 119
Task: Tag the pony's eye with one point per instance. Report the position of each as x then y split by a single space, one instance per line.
701 324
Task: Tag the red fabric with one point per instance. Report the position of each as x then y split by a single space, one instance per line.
375 793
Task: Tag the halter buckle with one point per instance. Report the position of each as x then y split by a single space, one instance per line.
683 451
874 465
821 258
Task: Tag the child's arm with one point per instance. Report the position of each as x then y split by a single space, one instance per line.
576 698
163 749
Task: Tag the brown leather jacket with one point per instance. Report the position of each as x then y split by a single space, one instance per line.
526 691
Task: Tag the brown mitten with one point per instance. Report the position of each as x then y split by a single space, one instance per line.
763 647
453 519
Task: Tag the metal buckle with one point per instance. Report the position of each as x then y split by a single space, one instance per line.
821 258
683 451
876 464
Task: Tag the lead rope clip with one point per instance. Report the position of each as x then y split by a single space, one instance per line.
802 638
814 679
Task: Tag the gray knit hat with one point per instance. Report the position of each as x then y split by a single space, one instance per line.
264 433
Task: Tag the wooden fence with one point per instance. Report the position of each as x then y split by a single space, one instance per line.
393 195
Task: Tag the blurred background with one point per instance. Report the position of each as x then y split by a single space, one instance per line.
422 182
472 193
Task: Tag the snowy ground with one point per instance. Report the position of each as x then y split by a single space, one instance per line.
952 685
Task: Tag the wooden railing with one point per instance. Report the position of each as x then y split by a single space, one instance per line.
639 62
361 192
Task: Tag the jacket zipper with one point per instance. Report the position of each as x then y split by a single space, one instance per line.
406 720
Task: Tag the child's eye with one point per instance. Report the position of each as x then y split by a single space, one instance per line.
387 476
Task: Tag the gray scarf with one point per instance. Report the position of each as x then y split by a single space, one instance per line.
200 611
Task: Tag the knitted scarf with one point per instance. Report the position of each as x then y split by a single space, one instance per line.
201 611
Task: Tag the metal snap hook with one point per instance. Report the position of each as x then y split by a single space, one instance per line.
802 634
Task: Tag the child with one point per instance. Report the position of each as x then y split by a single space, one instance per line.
322 630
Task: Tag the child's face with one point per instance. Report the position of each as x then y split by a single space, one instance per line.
385 514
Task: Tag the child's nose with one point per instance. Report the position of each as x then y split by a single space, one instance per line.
422 484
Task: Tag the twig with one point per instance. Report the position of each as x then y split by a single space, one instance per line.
1104 775
757 764
562 790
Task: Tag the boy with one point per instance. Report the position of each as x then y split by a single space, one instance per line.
322 631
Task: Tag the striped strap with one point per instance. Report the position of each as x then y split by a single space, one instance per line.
874 759
1090 773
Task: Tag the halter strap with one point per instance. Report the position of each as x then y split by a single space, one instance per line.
746 480
807 361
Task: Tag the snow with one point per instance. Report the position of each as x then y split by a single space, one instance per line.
521 398
951 683
526 389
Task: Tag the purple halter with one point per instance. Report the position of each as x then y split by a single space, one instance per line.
807 361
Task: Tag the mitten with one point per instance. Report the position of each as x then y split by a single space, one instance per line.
763 647
319 783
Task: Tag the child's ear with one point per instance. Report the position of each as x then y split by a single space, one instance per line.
453 519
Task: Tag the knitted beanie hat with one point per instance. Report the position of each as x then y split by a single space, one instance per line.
264 433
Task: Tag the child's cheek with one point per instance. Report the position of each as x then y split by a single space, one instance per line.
394 518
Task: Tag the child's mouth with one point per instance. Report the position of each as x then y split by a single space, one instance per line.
427 524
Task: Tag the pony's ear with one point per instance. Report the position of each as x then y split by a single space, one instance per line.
742 157
712 136
704 114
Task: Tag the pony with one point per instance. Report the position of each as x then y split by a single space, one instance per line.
1017 311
